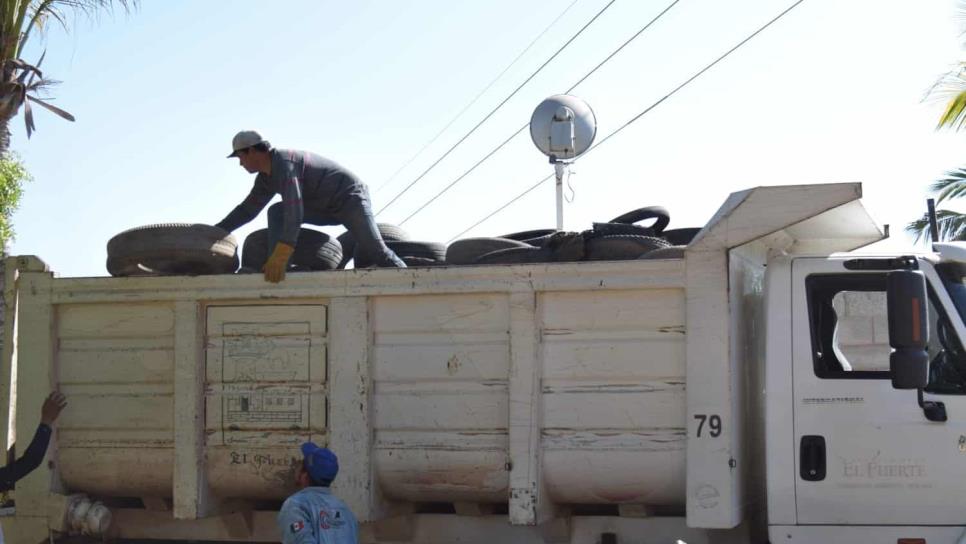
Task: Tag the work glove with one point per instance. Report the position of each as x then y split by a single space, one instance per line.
274 268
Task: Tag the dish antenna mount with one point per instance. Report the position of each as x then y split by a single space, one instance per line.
562 127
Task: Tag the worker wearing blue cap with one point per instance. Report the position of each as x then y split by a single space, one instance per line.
314 515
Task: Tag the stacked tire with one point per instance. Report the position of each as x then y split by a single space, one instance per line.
172 249
314 250
389 233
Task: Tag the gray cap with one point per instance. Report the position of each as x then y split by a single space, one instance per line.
244 140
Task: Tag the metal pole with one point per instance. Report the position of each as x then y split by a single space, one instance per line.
933 223
559 168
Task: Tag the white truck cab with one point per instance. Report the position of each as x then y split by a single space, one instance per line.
852 458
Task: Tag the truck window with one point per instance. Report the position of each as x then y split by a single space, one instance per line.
850 333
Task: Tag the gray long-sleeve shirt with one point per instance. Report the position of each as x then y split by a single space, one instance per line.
304 180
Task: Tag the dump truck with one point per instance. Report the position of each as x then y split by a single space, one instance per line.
771 385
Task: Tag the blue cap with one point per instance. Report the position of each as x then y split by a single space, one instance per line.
321 464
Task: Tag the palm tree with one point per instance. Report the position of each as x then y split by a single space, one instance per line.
951 87
952 224
20 81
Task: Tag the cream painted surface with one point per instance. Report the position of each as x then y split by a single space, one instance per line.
265 394
613 396
115 363
440 397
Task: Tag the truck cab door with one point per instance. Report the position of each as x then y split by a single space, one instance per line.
866 453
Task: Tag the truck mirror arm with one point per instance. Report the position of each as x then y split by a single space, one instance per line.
933 410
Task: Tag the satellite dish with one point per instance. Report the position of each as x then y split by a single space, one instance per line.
562 127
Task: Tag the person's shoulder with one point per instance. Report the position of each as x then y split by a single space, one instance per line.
339 503
295 499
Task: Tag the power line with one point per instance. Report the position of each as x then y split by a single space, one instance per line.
501 208
500 105
519 130
478 96
638 116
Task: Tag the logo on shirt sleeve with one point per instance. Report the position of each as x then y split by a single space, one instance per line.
297 526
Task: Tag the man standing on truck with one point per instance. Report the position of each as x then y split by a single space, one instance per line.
314 515
314 190
35 452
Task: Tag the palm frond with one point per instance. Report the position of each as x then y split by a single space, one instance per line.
951 186
41 12
952 226
51 107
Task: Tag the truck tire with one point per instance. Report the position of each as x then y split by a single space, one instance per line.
659 213
680 237
615 229
416 262
621 247
314 250
405 248
516 255
528 234
467 250
389 233
670 252
172 249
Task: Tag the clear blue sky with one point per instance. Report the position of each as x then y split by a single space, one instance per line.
832 92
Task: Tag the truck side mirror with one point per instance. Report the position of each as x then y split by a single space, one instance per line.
908 329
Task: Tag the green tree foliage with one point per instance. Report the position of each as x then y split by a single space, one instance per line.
952 88
13 175
20 81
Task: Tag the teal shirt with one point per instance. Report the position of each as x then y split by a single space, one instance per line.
315 516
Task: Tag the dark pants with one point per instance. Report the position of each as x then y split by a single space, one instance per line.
355 214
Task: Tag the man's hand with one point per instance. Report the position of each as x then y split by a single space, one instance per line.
54 403
274 268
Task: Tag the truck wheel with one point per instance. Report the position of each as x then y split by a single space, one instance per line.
314 250
172 249
467 250
659 213
389 233
621 247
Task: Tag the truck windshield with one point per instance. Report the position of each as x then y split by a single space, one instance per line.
954 279
947 366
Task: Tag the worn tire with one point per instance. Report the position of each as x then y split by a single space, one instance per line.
616 229
421 262
467 250
670 252
659 213
405 248
621 247
172 249
680 237
389 233
528 234
314 250
516 255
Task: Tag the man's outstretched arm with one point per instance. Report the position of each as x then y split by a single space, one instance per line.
34 455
